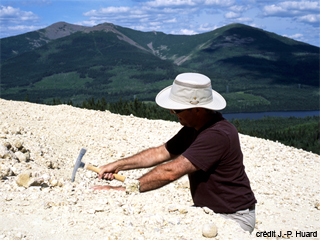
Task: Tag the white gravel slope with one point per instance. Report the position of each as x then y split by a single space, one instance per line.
285 181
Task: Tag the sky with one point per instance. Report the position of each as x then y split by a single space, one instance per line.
295 19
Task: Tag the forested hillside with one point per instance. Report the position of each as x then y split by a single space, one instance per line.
301 133
253 69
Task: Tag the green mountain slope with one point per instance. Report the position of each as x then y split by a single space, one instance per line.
254 70
98 63
13 46
259 55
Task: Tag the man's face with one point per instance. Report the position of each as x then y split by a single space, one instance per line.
186 117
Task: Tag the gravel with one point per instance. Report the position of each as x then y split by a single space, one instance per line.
39 144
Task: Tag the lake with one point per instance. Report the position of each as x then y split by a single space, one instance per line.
259 115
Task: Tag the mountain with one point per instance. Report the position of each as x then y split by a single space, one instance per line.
13 46
255 70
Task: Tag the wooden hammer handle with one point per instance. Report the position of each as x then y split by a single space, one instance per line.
97 170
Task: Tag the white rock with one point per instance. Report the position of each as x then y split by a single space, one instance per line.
209 230
285 181
21 156
4 152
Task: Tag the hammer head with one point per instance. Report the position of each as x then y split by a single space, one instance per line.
78 164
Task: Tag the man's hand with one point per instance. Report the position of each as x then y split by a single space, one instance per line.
106 171
107 188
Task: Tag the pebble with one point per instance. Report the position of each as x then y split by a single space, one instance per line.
209 230
21 156
285 180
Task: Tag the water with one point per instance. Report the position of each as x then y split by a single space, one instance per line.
259 115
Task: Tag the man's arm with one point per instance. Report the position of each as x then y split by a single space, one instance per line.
166 173
147 158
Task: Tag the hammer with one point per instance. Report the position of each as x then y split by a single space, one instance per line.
79 164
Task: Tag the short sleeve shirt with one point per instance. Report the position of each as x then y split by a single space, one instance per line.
221 184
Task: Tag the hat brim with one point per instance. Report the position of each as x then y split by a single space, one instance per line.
163 100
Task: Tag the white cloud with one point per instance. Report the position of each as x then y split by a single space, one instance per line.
232 15
193 3
297 36
206 27
244 19
239 8
170 3
173 20
104 11
310 18
291 8
10 15
222 3
184 32
24 28
299 11
87 23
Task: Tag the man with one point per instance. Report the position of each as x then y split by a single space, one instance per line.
207 148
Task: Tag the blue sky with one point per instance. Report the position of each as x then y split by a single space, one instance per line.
295 19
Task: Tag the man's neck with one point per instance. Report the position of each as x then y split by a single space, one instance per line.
205 116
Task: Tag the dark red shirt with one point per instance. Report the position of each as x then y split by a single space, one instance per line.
221 184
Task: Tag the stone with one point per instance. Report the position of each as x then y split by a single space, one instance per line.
54 182
207 210
287 200
5 172
4 152
132 186
7 145
23 180
26 180
209 230
172 208
21 156
18 144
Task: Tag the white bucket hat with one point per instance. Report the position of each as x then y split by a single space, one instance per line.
190 90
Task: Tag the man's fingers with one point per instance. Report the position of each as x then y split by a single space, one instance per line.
107 176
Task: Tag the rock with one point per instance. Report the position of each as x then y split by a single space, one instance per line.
26 180
23 180
172 208
35 182
21 156
132 186
54 182
287 196
207 210
7 145
18 145
23 150
46 177
52 165
4 152
27 153
209 230
183 211
5 173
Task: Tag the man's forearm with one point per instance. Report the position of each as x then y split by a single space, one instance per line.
166 173
147 158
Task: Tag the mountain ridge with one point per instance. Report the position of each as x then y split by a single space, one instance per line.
253 68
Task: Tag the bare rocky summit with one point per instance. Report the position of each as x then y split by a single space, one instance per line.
38 147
